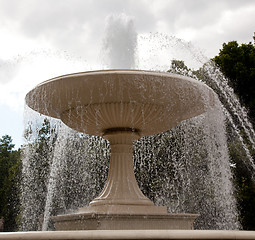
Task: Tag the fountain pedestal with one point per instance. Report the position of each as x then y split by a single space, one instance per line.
121 204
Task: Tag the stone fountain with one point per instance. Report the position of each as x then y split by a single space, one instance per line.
121 106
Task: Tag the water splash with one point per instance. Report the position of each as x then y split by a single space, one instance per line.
236 114
56 170
155 51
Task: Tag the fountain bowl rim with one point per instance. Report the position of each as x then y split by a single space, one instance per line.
168 85
118 71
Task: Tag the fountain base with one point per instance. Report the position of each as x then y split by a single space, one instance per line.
121 204
100 221
131 234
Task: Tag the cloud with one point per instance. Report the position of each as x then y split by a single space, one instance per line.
198 13
234 29
8 70
26 72
208 24
228 27
78 26
73 25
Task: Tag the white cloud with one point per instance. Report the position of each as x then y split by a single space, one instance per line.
77 26
239 24
233 25
29 71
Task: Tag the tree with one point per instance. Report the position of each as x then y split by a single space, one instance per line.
245 187
237 62
10 173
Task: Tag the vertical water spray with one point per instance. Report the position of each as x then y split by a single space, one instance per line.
37 157
55 173
120 42
58 164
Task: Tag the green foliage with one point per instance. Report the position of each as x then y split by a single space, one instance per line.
10 174
245 186
237 62
246 198
179 67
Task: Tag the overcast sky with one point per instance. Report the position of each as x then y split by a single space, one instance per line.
45 38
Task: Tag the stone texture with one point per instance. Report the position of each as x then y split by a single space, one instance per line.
131 234
124 221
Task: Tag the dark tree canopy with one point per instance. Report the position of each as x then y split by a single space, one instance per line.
237 62
10 171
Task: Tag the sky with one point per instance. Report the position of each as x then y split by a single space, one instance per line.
41 39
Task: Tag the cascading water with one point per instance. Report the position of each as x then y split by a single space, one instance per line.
187 168
236 115
68 161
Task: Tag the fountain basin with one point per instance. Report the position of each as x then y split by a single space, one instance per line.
143 101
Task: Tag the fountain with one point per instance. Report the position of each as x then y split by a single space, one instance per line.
121 106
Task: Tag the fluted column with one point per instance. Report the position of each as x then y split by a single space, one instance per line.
121 187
